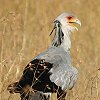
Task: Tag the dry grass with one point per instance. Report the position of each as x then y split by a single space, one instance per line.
24 32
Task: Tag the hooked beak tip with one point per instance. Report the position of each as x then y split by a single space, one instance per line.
78 22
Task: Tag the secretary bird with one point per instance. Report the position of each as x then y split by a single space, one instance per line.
51 71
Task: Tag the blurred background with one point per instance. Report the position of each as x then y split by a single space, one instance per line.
25 26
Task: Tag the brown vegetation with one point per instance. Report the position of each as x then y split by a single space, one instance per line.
24 32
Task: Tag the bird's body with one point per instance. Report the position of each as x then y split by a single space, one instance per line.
52 71
62 71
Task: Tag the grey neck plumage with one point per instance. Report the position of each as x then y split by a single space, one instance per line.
61 37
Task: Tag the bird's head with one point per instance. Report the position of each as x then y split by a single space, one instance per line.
64 25
67 22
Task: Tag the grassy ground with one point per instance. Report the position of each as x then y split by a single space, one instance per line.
24 32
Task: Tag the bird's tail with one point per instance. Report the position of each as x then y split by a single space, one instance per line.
27 93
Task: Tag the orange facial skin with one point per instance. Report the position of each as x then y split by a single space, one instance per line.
71 19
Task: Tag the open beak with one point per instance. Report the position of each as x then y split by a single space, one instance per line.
75 21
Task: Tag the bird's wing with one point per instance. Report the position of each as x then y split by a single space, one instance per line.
49 70
63 73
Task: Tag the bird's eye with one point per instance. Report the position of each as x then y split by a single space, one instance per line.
69 17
